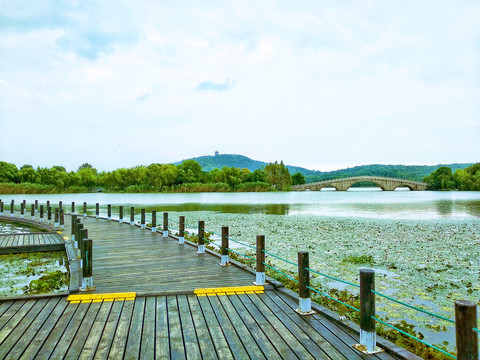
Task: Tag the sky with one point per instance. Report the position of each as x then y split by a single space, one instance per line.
323 85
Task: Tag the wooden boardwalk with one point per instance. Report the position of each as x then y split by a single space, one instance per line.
167 320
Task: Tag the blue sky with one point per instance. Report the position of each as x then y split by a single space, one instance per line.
323 85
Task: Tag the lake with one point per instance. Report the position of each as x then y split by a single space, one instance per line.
356 202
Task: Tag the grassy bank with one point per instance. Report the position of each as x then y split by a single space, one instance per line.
28 188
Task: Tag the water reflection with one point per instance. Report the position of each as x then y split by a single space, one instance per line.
357 202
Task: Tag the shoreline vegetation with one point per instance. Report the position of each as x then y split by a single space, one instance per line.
188 177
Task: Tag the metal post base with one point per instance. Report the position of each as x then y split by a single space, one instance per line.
154 229
259 278
181 240
304 306
201 249
224 261
87 284
142 226
165 233
132 223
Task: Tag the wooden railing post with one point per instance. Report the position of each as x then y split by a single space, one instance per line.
60 205
62 219
47 205
22 210
132 216
84 209
36 205
49 215
12 208
120 214
73 208
224 261
32 212
57 219
87 270
304 300
41 213
1 208
181 230
260 266
72 230
97 210
466 337
109 212
24 204
78 236
142 219
201 236
368 336
154 220
83 234
165 224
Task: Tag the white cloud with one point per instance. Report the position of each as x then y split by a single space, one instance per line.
315 84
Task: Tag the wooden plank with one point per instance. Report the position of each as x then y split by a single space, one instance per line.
233 340
31 248
295 330
255 329
132 350
70 333
162 341
20 240
331 351
271 333
147 346
58 330
177 348
330 332
13 315
218 338
105 343
190 340
82 332
12 332
31 327
119 341
272 317
4 306
243 332
41 335
203 334
91 342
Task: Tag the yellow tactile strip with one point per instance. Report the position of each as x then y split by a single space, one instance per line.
77 298
229 290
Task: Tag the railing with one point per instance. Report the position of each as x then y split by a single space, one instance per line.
465 311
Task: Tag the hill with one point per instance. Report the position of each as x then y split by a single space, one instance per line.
411 172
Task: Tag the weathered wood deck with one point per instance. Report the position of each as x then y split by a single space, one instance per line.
31 242
166 319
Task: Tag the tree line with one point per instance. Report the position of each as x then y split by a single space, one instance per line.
443 178
185 177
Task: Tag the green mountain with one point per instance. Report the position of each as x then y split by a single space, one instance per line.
412 172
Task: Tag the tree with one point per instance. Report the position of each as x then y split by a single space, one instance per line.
189 171
298 179
85 166
8 172
278 175
440 179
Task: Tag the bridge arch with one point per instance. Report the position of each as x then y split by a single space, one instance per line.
343 184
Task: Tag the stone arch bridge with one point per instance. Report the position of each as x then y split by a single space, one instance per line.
342 184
